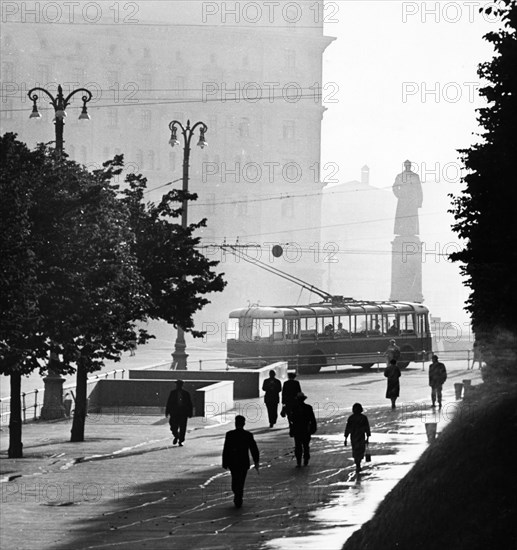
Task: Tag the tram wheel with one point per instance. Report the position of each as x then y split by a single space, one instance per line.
407 354
366 366
314 363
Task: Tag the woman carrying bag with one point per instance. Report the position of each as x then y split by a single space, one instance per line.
358 428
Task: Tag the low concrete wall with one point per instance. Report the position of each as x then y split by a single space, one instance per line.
247 382
150 396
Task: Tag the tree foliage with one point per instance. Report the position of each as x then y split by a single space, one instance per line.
82 263
485 211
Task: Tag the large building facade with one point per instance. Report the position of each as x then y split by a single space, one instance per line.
254 78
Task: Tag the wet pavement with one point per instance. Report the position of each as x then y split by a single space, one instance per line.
126 486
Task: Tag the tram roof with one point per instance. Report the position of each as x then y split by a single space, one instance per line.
327 310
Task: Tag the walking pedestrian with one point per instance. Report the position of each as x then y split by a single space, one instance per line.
238 444
392 352
358 428
272 388
290 390
437 378
179 410
392 373
303 426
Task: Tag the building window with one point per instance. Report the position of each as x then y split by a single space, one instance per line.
6 110
290 59
172 161
150 160
178 86
212 125
146 81
145 122
43 75
8 71
211 203
242 206
79 76
287 208
113 77
288 130
139 160
244 128
112 118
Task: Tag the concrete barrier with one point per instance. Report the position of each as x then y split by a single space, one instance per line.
134 397
247 382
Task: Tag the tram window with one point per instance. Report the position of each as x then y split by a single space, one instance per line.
245 329
308 327
292 327
393 325
262 328
328 327
342 329
359 325
278 333
407 324
233 330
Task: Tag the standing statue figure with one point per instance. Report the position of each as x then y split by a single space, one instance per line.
408 190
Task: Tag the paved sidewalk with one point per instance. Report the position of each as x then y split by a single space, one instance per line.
127 487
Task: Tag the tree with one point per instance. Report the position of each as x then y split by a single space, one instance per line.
72 284
22 344
485 212
178 274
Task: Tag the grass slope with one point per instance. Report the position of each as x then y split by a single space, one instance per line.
462 492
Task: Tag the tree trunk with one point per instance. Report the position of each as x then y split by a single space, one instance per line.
15 420
80 402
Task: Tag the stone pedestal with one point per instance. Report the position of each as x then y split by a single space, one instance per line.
406 269
53 407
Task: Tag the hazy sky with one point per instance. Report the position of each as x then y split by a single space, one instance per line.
407 78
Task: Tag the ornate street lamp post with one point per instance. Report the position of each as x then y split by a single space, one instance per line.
53 407
179 357
60 103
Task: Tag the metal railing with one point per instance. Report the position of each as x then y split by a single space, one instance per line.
32 402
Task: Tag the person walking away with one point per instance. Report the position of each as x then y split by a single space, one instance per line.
272 388
238 444
303 426
290 390
179 410
392 373
437 378
358 428
392 352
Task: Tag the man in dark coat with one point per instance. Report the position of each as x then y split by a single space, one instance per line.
290 390
358 428
272 388
179 409
237 446
437 377
392 373
303 426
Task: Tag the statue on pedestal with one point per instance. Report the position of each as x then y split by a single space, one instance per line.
406 261
408 189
